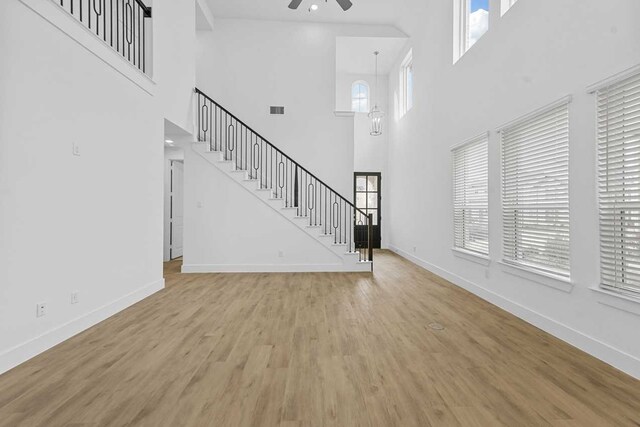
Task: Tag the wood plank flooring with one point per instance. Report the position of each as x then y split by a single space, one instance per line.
316 350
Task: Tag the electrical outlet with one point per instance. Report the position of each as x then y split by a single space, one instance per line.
415 249
75 149
280 254
41 309
74 297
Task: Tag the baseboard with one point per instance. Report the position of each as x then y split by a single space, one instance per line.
274 268
25 351
608 354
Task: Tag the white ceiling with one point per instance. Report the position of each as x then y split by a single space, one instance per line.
354 55
362 12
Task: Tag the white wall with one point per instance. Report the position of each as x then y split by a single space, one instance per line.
92 223
249 65
174 59
370 152
227 228
537 53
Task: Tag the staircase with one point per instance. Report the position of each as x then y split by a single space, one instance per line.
282 183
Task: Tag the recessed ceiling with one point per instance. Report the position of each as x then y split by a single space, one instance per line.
354 55
385 12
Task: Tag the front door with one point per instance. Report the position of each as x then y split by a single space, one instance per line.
367 194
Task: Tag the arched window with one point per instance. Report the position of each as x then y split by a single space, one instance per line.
360 97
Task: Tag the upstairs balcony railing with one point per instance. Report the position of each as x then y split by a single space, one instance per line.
298 188
122 24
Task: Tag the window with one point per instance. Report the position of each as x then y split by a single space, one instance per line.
535 191
471 22
471 196
360 97
619 184
406 83
506 5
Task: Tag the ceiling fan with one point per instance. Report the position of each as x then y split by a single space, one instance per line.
344 4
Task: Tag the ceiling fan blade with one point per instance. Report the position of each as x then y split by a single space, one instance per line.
294 4
345 4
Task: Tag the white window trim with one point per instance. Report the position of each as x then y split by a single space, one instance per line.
404 91
608 295
619 300
534 274
461 41
506 5
478 258
361 82
458 250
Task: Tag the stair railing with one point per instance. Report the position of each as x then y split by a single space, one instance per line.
122 24
298 188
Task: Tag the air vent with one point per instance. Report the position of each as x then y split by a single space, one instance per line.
277 110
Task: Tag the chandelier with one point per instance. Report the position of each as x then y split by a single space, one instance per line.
376 114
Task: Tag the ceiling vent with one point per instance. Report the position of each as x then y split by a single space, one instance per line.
277 110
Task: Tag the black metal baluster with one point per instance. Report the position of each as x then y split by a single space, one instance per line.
111 22
139 37
104 20
129 28
117 26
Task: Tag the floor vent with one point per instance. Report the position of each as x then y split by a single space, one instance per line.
277 110
436 326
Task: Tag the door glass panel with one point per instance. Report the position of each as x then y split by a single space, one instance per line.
374 212
373 183
361 200
360 219
361 183
373 200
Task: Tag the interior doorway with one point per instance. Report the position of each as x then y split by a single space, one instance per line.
173 202
367 189
176 209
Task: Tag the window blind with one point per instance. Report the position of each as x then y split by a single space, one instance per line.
619 184
535 191
471 196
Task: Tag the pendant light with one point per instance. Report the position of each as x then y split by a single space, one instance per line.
376 114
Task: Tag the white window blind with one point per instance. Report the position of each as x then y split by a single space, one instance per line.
619 184
471 196
535 191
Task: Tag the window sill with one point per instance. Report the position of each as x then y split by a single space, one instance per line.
616 300
344 113
547 279
470 256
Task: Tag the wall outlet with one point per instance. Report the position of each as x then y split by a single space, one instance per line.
75 149
415 249
41 309
280 254
74 297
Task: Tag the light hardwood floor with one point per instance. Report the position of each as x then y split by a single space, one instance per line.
316 350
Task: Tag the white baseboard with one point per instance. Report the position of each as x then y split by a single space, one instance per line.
608 354
25 351
275 268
